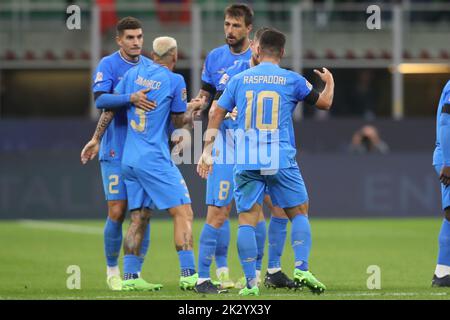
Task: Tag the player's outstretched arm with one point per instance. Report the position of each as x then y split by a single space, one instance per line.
444 133
91 149
326 96
114 101
216 116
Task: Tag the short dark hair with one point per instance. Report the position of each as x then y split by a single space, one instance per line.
260 31
240 10
128 23
272 42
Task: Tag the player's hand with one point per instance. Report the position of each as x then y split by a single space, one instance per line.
139 99
326 76
233 114
197 103
204 165
89 151
444 177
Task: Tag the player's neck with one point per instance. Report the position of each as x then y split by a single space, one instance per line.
241 48
127 57
270 60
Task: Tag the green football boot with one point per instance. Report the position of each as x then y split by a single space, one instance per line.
114 283
249 292
188 283
139 284
306 278
225 281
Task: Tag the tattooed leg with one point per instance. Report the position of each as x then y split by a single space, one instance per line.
182 219
135 234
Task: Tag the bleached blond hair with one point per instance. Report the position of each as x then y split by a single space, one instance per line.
163 45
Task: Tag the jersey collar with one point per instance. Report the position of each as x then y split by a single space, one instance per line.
241 53
127 61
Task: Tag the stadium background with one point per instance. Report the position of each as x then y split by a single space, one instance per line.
390 78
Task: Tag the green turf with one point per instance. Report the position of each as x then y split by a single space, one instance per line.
34 259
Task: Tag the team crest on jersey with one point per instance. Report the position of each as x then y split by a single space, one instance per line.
99 77
184 94
112 154
224 79
309 85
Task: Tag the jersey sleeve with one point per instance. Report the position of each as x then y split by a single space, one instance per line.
444 128
103 77
207 81
179 101
227 99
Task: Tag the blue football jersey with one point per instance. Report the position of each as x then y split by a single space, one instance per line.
445 99
239 67
216 63
146 144
265 96
109 72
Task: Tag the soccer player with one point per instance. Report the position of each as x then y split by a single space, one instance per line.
274 277
151 177
266 96
107 75
441 162
238 19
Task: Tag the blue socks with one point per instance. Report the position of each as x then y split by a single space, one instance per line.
187 264
207 249
223 242
131 265
144 246
277 238
247 248
444 244
260 242
112 236
301 241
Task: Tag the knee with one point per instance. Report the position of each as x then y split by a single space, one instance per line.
217 216
117 210
140 217
186 214
278 212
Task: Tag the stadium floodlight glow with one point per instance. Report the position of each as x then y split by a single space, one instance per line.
421 68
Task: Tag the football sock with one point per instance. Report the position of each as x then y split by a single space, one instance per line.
112 235
260 233
277 238
131 264
187 264
144 247
247 249
301 241
223 241
207 248
444 244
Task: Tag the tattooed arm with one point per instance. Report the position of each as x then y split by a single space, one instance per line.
91 149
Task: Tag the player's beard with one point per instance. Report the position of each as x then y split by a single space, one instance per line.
238 46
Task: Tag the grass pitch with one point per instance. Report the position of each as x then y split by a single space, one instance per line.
35 256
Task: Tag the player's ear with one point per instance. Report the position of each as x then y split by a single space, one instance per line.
282 53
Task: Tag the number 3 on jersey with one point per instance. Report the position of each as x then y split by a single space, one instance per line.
262 99
139 127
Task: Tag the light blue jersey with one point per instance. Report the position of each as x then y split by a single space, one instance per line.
444 100
150 175
265 96
109 72
441 155
220 185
